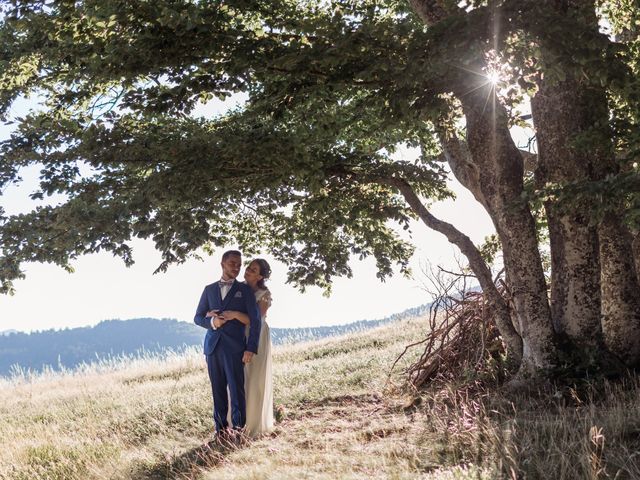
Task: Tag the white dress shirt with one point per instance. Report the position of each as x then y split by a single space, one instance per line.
224 288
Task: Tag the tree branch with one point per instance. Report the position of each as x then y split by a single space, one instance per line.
512 340
458 157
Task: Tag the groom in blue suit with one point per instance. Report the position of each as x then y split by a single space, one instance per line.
226 347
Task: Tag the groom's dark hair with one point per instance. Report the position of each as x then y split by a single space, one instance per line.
228 253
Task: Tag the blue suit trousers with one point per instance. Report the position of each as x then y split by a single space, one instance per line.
226 369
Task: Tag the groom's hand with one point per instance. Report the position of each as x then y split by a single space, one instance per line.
246 358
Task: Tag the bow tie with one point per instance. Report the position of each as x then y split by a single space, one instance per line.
226 283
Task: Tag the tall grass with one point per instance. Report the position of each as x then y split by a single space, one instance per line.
141 359
342 414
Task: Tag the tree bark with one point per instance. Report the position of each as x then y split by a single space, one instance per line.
559 113
500 181
493 172
636 252
620 292
563 113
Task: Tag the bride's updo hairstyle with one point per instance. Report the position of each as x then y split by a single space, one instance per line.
265 272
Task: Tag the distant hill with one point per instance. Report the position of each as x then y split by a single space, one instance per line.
68 348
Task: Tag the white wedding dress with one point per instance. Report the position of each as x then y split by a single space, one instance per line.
258 380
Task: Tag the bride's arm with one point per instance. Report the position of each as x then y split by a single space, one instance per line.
264 303
235 315
263 308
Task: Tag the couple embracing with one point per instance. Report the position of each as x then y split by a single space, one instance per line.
237 347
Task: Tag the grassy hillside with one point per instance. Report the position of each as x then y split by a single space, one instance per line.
342 416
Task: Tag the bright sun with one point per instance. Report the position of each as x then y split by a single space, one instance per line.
493 77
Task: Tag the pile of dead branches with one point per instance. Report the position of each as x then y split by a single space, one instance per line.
463 343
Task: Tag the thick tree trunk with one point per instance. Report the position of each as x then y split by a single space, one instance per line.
620 292
499 170
619 282
559 113
515 228
563 113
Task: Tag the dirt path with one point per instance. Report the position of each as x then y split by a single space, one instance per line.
346 437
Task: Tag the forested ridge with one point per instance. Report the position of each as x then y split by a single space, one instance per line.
70 347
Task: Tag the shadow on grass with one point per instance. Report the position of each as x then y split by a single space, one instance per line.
187 465
344 400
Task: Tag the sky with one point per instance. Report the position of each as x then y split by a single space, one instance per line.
102 288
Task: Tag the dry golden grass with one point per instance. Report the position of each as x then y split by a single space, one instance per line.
342 417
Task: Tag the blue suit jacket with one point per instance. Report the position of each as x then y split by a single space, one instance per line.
231 336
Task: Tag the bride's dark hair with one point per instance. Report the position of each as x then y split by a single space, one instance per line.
265 271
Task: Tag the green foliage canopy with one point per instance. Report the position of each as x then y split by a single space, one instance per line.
117 82
331 87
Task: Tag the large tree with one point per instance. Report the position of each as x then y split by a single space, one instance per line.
306 167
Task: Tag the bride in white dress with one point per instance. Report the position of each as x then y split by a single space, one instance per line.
258 380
